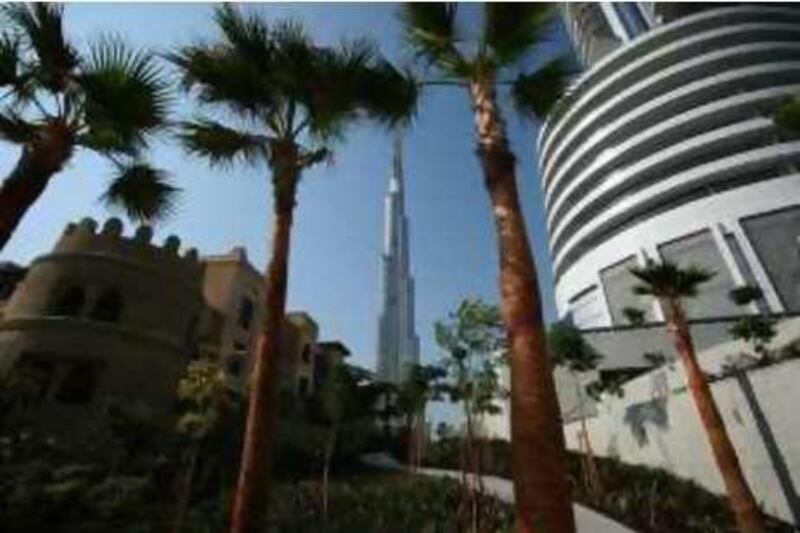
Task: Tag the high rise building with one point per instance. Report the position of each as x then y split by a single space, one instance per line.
665 147
398 344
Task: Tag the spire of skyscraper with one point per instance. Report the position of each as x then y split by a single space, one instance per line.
398 344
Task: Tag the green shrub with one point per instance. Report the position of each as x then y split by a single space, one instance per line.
385 503
649 500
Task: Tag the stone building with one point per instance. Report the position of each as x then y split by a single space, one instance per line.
105 315
102 315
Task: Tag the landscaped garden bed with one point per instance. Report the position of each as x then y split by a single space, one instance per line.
642 498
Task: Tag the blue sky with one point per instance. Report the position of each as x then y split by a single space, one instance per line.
337 236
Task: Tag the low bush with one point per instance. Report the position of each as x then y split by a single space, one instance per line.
385 503
649 500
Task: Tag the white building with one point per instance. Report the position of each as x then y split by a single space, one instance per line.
398 344
665 148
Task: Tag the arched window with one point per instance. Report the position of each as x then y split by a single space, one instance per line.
69 302
246 309
108 307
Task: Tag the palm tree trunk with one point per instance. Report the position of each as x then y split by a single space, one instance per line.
29 178
252 489
745 508
185 487
541 485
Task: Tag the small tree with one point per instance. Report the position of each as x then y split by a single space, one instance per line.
203 392
423 384
570 350
671 285
635 316
473 341
757 330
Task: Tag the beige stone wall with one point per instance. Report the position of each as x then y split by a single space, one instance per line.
228 282
139 354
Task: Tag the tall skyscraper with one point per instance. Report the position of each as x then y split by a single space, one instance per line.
398 344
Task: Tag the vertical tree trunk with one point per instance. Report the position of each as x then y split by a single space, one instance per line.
541 485
251 498
745 508
29 178
329 448
185 487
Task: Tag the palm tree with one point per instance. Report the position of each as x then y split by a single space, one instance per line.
670 285
481 64
569 349
56 100
287 98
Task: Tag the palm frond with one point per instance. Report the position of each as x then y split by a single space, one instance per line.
310 158
9 59
787 116
430 29
15 129
142 191
42 26
126 97
249 35
221 144
220 76
667 280
536 94
388 94
512 29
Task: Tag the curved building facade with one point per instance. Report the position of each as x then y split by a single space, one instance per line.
665 148
102 315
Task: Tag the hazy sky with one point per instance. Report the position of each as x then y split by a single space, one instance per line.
337 235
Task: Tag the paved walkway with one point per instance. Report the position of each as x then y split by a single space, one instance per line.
586 520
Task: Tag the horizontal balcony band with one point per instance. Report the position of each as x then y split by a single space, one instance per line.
671 190
664 82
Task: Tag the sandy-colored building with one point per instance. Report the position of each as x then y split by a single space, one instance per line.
107 315
102 315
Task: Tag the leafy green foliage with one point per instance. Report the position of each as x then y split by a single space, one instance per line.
756 329
142 191
288 96
787 116
511 32
645 499
382 502
745 294
536 94
473 342
636 317
667 280
110 101
567 347
203 391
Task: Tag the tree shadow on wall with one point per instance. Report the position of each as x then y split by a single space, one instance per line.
654 411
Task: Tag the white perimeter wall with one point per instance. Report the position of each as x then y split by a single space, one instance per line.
656 424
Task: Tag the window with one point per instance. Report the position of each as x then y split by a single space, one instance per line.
774 237
69 302
245 313
79 384
108 307
306 355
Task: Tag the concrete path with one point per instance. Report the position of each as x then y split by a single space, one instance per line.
586 520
